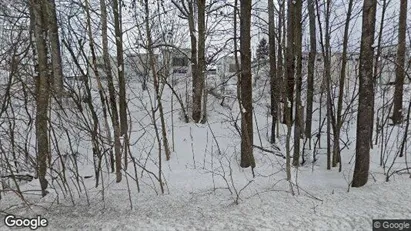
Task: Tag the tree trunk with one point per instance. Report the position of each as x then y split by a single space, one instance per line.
400 68
199 88
194 64
377 63
274 90
336 151
298 106
290 63
366 92
311 64
247 157
118 32
156 83
42 94
108 71
113 105
55 49
94 132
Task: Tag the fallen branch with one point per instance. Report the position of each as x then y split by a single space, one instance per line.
277 152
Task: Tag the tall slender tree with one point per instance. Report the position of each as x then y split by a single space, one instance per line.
336 147
42 90
247 157
118 32
55 48
275 91
194 12
199 87
400 67
366 92
290 63
112 92
311 62
299 79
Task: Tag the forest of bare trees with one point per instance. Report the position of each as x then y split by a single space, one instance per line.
132 92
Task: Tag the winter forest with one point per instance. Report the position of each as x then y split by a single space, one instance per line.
204 114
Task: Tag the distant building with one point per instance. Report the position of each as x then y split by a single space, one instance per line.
136 66
226 70
227 65
335 65
387 65
178 61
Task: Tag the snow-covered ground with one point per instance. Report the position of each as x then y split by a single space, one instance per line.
205 189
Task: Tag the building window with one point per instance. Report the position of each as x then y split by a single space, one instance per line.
180 62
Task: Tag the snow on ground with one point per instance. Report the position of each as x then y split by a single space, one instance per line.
203 179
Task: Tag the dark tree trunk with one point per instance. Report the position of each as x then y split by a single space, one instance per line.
199 88
400 68
311 63
118 32
274 90
42 93
299 78
247 157
55 50
336 151
366 92
290 64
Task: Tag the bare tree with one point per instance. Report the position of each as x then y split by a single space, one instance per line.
280 51
43 90
247 157
55 48
118 33
111 89
298 125
290 63
156 82
326 53
336 151
366 92
188 10
311 62
199 80
400 67
274 86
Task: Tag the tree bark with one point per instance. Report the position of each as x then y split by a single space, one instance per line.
311 64
274 90
247 157
108 71
113 102
118 32
299 79
366 92
55 49
400 67
199 88
336 151
42 94
290 63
